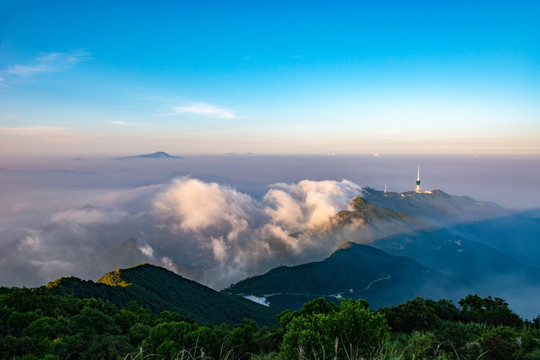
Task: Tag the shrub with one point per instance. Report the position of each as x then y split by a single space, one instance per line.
350 331
501 343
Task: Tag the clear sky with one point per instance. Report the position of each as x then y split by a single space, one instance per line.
122 77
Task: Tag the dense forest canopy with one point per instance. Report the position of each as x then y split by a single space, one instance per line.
37 324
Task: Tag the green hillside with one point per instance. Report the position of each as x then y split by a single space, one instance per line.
352 271
159 289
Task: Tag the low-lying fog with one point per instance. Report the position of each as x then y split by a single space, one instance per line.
216 219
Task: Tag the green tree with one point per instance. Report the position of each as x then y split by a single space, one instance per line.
42 331
268 339
169 338
17 321
445 310
12 347
358 327
489 310
311 337
243 338
203 340
348 331
471 303
106 346
138 332
412 315
536 322
44 327
456 337
92 322
320 306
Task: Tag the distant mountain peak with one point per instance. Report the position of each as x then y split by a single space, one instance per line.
156 155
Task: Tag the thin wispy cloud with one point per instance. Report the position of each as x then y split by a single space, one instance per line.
50 134
48 62
205 109
121 123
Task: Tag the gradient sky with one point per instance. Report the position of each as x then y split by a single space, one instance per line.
121 77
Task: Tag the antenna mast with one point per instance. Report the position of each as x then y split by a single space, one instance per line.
418 190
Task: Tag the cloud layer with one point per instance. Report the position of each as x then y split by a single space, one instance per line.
202 230
240 236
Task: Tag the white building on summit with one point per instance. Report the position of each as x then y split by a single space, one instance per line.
418 190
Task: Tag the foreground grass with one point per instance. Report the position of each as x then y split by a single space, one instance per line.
388 351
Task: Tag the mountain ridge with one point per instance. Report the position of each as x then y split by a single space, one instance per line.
159 289
352 270
436 206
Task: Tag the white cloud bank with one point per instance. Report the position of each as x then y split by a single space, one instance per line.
240 236
211 233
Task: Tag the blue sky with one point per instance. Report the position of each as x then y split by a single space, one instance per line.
96 77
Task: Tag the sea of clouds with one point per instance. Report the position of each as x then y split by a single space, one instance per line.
213 219
208 232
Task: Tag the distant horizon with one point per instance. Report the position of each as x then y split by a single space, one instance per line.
511 181
83 156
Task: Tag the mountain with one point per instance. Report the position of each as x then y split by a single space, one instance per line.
159 289
352 271
364 223
480 269
515 235
367 222
488 249
436 206
473 251
156 155
474 263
